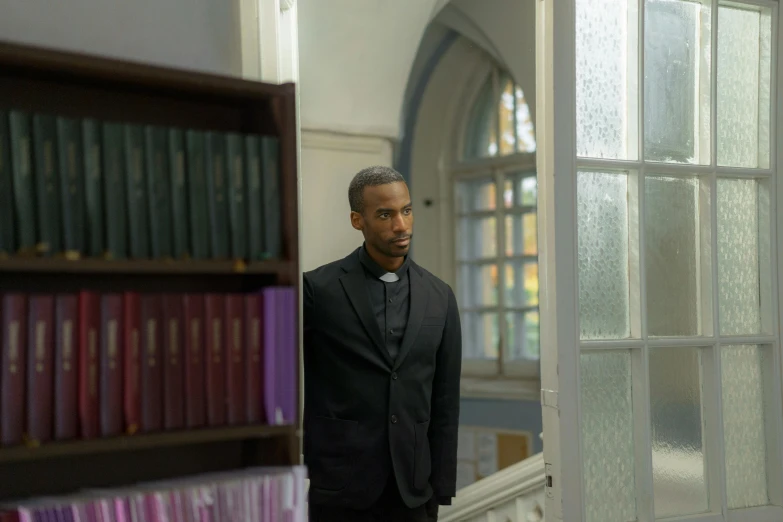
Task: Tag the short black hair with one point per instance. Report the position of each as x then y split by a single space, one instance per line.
370 177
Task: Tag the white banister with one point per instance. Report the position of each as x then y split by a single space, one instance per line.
514 494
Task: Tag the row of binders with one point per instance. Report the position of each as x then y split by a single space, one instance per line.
88 188
257 494
93 365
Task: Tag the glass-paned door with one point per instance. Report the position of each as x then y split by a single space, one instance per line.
658 244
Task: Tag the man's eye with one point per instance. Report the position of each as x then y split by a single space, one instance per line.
383 216
407 211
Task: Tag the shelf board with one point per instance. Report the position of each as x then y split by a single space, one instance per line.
137 442
143 266
69 67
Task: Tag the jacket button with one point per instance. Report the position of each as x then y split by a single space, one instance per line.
394 376
394 419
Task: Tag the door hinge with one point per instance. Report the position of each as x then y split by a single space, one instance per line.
549 399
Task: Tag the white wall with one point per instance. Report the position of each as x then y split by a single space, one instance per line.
355 57
329 162
192 34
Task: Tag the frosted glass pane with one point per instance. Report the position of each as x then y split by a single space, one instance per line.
521 284
480 335
521 234
738 256
602 213
478 285
677 81
601 72
744 40
679 482
522 335
743 382
672 255
607 437
476 195
477 238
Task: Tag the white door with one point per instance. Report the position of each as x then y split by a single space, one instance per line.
659 259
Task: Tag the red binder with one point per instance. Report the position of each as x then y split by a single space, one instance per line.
215 357
195 379
40 377
89 345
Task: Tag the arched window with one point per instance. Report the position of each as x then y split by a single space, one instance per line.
496 235
499 109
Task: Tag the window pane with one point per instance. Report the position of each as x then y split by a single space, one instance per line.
478 286
521 283
602 213
477 238
520 190
677 81
476 196
607 422
526 135
679 481
481 334
673 255
601 73
521 234
744 43
739 256
744 382
522 339
506 115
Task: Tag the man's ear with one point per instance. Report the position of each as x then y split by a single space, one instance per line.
357 221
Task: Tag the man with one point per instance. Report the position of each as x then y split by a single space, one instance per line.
382 358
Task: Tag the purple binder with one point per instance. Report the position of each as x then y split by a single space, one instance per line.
290 370
280 354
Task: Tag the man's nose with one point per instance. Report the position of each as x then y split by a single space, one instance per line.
398 223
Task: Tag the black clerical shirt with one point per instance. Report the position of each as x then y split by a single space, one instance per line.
390 300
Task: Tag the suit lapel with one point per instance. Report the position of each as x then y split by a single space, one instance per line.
354 285
418 305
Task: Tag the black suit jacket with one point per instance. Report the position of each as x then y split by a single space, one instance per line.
366 415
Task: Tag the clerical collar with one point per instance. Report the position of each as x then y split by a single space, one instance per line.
377 271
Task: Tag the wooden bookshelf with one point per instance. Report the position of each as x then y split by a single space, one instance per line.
80 86
148 441
88 266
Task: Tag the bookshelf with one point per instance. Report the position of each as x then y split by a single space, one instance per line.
79 86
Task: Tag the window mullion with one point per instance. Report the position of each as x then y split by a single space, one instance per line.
501 250
516 123
716 470
640 361
775 479
496 109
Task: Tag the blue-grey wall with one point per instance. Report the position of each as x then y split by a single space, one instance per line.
504 414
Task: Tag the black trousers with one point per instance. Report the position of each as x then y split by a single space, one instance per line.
388 508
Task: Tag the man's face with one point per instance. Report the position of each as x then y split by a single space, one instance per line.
387 219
